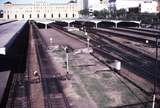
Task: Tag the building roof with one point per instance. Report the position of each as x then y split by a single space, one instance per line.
8 34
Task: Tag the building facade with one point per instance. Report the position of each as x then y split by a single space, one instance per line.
149 6
41 10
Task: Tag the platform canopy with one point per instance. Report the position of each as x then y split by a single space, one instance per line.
68 21
93 22
45 21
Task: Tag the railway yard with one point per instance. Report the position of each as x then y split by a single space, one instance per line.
57 66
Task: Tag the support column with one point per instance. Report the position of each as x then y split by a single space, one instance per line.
67 61
139 25
68 25
96 25
116 25
45 26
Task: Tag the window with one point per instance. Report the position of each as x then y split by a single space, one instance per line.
51 15
59 15
7 16
73 15
22 15
44 15
37 15
15 16
30 16
66 15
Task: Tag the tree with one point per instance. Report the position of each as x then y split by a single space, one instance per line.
84 12
100 14
121 13
96 13
104 13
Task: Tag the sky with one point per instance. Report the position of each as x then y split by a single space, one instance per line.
31 1
48 1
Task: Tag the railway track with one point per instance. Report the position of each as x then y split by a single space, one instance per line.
19 89
129 57
97 44
145 29
109 37
135 31
13 91
130 36
53 91
131 53
127 54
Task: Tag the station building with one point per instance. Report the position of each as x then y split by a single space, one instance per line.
148 6
41 10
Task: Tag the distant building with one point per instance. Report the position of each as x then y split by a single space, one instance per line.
84 4
98 5
103 1
149 6
41 10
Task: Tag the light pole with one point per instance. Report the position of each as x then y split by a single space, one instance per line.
85 33
156 70
147 42
51 40
88 39
67 58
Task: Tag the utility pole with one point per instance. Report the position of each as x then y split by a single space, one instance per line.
88 39
67 58
51 41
